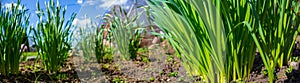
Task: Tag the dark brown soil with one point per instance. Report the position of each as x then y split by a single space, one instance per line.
283 75
159 68
32 71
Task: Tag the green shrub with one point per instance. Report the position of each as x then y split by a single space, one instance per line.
13 25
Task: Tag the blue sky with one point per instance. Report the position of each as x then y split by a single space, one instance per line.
90 8
86 10
31 5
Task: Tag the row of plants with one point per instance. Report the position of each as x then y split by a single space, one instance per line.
52 36
120 29
217 39
215 43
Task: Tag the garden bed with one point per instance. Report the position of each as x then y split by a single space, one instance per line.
33 71
284 74
159 68
217 45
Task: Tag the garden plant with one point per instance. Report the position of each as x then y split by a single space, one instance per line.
126 31
14 24
103 52
53 35
277 28
85 42
200 41
217 41
242 27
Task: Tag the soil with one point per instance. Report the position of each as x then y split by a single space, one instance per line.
283 75
156 69
32 71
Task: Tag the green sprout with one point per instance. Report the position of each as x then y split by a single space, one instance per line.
151 79
173 74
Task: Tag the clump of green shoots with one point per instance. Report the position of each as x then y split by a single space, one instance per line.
13 25
103 52
241 48
197 32
126 31
85 42
192 24
277 31
52 35
99 45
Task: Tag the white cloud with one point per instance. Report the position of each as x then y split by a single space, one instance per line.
90 2
79 1
109 3
8 5
102 3
82 22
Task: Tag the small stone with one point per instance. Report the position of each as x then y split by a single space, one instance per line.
151 46
295 65
156 40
